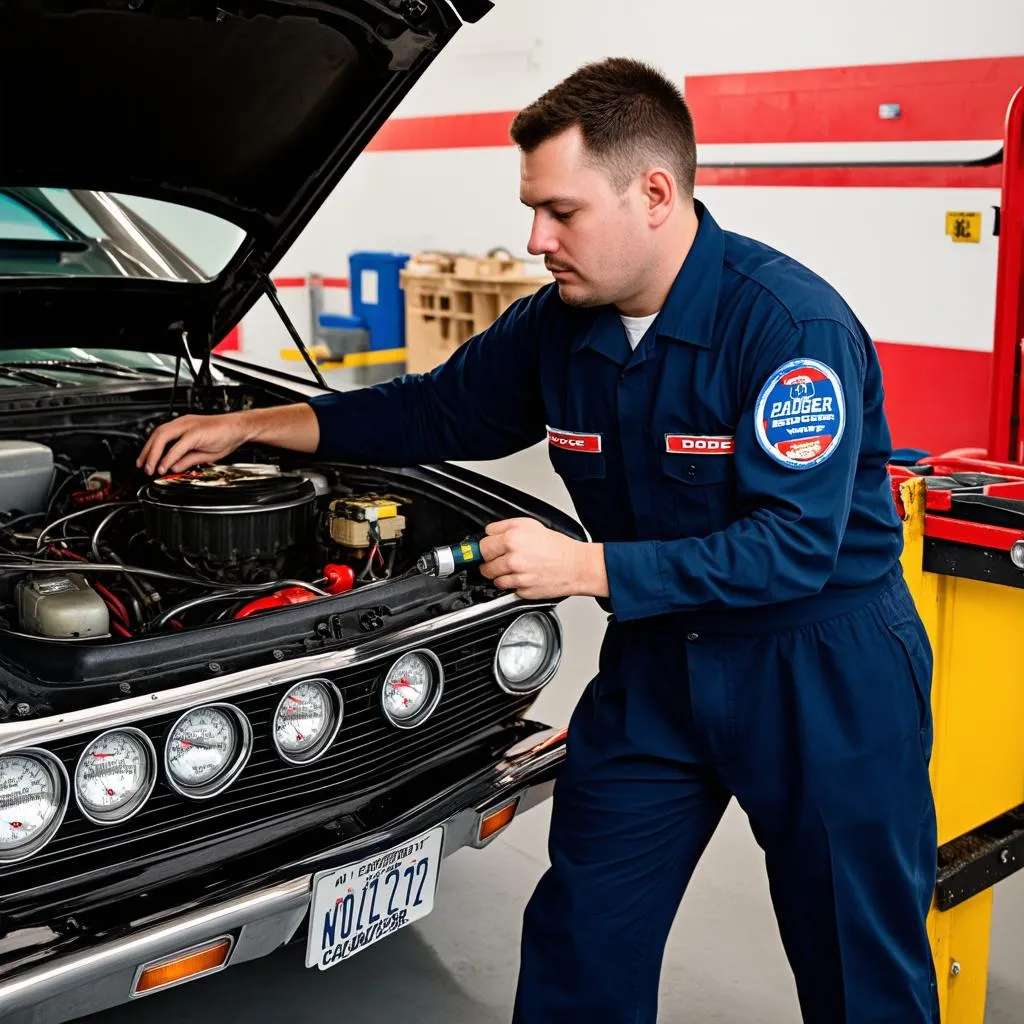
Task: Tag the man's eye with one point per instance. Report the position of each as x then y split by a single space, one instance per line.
559 215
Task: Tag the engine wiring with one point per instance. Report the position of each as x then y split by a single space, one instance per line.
214 544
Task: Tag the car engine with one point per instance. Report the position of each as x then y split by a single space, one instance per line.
91 549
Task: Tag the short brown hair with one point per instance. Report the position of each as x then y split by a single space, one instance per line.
628 113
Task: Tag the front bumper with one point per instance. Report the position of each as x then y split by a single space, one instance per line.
102 976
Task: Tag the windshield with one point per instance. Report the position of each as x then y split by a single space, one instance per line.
77 232
62 367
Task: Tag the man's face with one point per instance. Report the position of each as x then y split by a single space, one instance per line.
595 241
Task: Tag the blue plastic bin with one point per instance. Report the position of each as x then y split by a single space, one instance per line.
340 322
377 296
907 456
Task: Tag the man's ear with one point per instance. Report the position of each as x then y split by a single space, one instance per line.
659 193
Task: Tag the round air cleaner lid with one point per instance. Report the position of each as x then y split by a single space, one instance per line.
242 486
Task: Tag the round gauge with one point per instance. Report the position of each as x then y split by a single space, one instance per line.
33 799
528 653
307 720
115 775
412 689
207 747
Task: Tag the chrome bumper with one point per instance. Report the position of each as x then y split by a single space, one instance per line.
102 976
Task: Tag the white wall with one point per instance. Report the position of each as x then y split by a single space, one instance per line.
884 248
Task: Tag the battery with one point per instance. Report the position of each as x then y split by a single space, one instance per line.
349 519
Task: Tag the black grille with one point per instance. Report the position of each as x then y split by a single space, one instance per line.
367 754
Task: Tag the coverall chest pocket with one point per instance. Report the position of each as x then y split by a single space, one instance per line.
575 465
583 474
698 492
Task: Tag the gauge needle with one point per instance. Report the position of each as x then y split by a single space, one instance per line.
102 755
298 735
295 699
194 743
403 682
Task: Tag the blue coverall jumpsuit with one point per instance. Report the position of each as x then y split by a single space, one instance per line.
762 643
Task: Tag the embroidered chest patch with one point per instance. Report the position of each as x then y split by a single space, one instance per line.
700 444
574 442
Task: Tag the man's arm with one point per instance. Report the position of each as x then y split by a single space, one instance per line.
785 547
194 440
483 403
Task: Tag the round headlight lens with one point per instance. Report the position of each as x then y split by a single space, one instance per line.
412 689
528 653
307 720
115 775
207 747
33 799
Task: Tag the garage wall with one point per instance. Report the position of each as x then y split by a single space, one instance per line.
441 174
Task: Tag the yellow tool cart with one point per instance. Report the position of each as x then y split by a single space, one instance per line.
964 563
963 517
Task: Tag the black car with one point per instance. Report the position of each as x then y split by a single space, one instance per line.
254 703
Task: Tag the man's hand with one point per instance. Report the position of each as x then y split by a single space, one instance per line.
197 440
535 562
201 439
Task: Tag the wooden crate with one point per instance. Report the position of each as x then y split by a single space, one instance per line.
443 311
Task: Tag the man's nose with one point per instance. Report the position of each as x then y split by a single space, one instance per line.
541 239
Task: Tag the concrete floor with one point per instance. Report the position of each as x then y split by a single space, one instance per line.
724 963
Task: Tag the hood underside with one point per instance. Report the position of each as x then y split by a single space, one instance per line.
250 112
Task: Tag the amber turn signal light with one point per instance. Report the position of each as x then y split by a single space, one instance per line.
494 822
184 967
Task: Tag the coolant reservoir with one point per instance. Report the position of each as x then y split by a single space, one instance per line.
63 607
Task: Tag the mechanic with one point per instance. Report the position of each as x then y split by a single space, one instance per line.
715 410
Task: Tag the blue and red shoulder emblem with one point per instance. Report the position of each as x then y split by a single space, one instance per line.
801 414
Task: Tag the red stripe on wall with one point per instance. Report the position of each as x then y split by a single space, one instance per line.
853 177
301 282
935 398
445 131
461 131
952 100
231 342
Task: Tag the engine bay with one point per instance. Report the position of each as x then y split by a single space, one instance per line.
94 552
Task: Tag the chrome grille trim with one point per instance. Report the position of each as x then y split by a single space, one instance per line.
15 735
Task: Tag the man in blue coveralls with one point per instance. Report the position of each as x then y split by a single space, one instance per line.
715 411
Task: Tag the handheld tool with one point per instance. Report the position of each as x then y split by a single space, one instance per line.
445 560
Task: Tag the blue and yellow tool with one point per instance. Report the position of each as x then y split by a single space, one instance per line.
447 559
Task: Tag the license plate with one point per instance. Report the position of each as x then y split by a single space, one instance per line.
357 905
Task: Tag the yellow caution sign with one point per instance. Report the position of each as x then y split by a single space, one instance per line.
964 227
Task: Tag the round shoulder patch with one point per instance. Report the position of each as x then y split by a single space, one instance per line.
801 414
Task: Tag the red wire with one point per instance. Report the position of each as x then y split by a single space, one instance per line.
115 603
112 601
65 553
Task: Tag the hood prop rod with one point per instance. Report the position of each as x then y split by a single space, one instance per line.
271 291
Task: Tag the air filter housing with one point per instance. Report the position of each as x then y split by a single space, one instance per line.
245 516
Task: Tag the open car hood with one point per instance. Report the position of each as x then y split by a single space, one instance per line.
250 112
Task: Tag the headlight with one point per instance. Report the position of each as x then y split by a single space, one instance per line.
528 653
412 689
115 775
33 799
307 720
206 749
